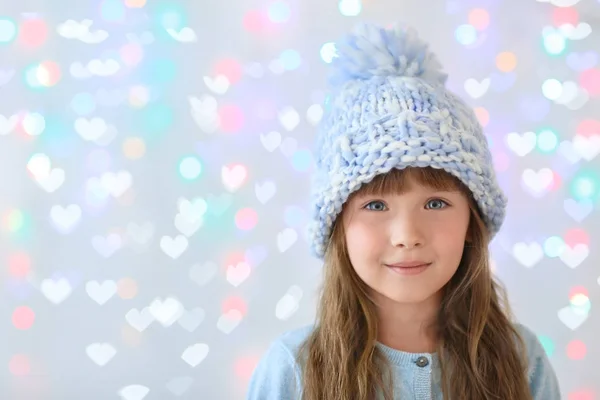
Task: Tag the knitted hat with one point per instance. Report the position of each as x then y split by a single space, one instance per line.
390 109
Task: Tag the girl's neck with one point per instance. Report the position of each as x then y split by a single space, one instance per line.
412 340
408 327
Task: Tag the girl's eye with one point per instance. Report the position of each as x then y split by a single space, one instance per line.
439 204
435 204
375 202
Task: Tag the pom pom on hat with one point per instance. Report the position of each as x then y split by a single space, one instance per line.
375 51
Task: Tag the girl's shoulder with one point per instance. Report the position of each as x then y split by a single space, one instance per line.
293 339
542 378
531 341
526 333
277 375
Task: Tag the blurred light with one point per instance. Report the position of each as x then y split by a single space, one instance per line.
256 255
159 71
13 220
547 141
219 85
83 104
40 76
547 344
134 148
31 77
552 89
157 118
23 317
34 124
291 59
246 219
578 290
466 34
556 182
112 10
581 303
576 236
301 160
590 81
57 138
350 8
190 168
479 18
576 350
506 61
135 3
582 395
19 265
235 303
231 118
171 16
314 114
482 115
276 67
139 96
39 166
554 246
253 21
230 68
565 15
131 54
585 186
8 30
19 365
588 127
233 258
554 43
48 73
279 12
96 193
33 32
327 52
234 176
245 366
501 161
127 288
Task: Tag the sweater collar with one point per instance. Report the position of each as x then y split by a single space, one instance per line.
403 358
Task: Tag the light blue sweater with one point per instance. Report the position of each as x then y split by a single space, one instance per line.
416 376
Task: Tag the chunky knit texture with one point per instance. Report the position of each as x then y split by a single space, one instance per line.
390 109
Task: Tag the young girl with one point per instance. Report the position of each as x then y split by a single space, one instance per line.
405 203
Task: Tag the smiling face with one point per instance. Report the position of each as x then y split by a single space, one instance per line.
411 215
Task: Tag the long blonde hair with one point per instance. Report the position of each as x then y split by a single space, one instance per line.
482 355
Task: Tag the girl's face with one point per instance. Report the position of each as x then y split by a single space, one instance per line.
419 225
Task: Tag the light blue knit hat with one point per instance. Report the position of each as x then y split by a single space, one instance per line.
390 109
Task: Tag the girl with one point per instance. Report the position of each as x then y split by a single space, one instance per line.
405 203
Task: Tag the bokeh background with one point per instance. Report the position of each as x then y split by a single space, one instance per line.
154 176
